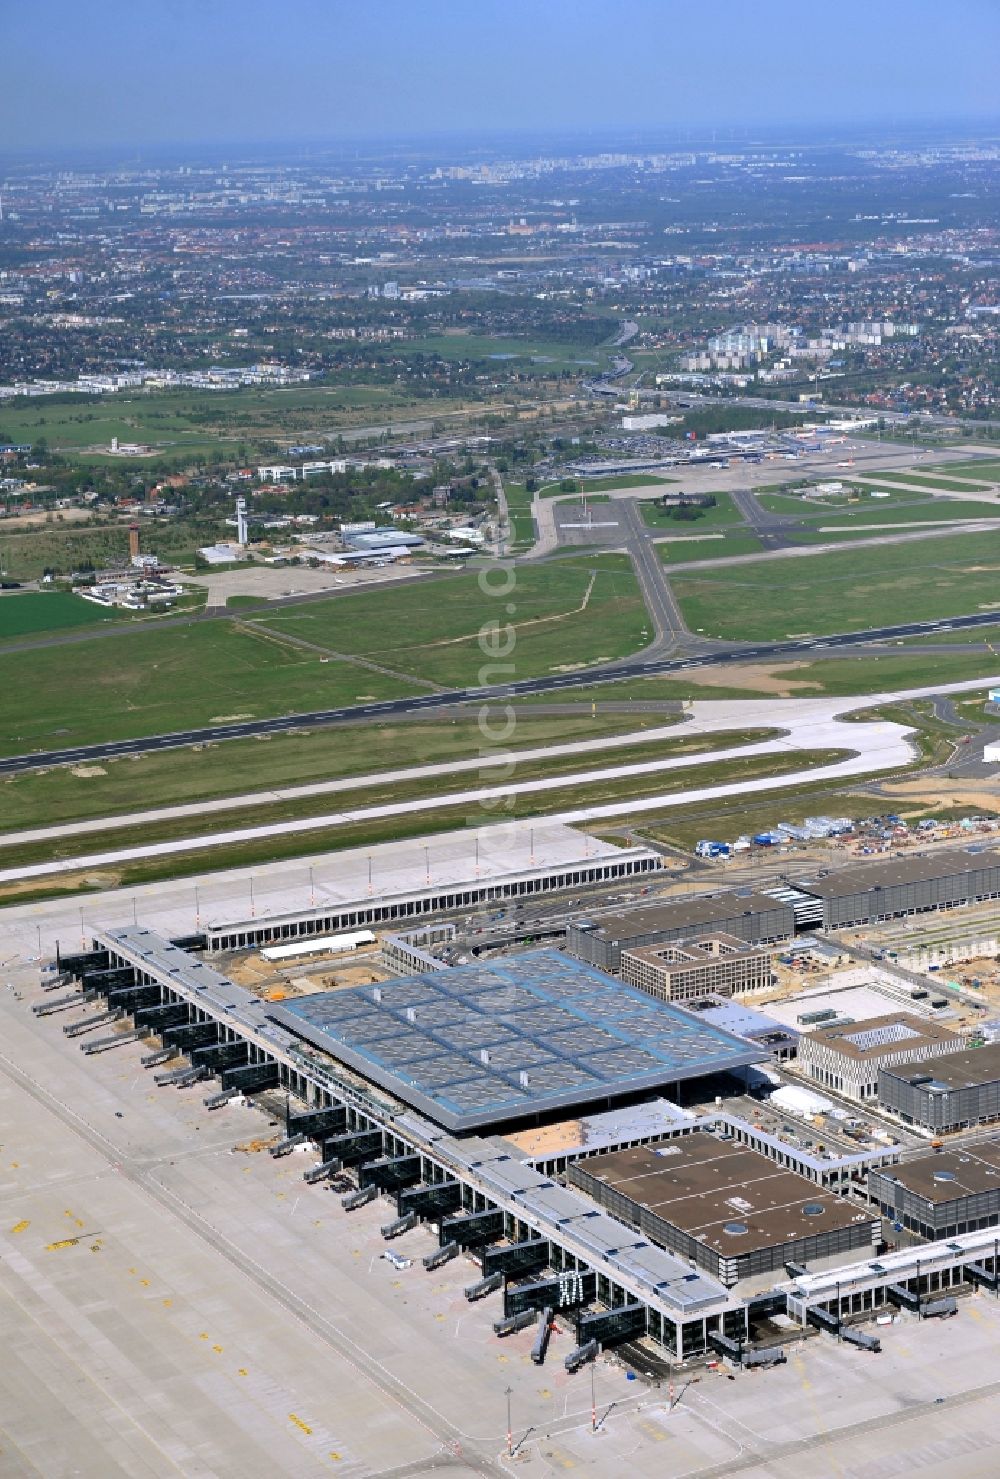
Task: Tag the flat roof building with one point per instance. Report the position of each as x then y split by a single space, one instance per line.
507 1040
685 969
847 1057
868 892
727 1209
943 1193
956 1092
752 918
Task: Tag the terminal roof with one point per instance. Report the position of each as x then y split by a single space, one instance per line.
499 1041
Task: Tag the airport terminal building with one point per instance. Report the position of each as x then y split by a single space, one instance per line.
941 1194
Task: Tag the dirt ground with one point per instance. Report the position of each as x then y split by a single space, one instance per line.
275 982
271 582
975 796
764 677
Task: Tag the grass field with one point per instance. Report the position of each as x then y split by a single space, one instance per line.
555 617
357 796
927 510
627 480
837 677
984 469
153 681
36 612
173 777
926 480
447 816
522 524
685 548
849 591
27 553
738 816
192 422
724 512
581 611
466 345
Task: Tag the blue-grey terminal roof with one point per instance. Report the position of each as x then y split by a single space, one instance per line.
501 1040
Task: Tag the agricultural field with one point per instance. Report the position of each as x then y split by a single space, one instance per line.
883 586
561 616
723 512
31 613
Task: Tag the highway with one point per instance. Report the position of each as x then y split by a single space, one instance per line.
420 703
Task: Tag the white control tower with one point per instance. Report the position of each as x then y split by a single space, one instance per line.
241 521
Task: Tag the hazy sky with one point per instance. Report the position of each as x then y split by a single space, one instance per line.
138 72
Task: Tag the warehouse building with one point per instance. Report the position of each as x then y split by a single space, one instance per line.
847 1057
941 1194
725 1208
960 1090
752 918
716 964
872 892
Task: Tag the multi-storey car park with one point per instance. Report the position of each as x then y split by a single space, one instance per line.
867 893
861 894
546 1244
956 1092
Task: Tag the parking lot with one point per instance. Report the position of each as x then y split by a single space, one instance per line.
177 1304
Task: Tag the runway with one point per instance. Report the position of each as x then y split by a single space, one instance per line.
807 725
632 668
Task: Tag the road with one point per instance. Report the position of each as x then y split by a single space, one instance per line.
425 703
